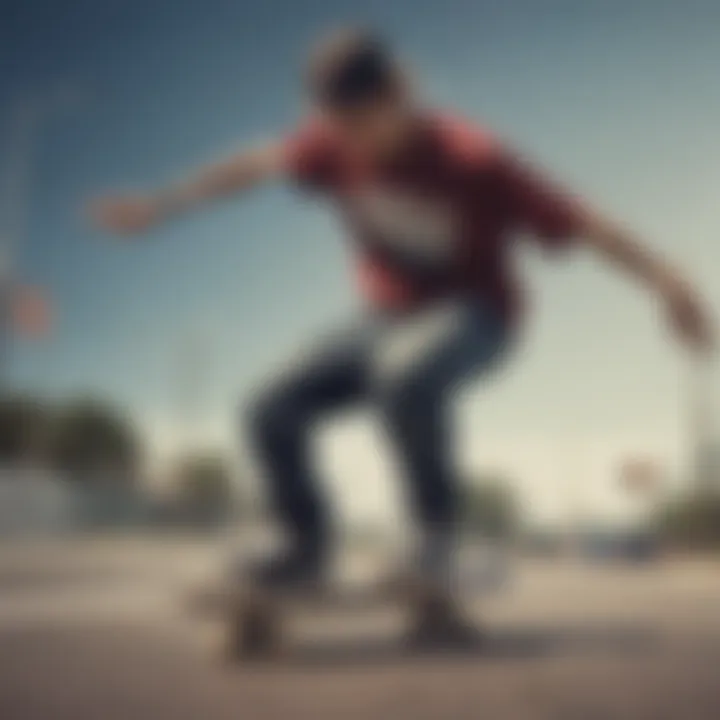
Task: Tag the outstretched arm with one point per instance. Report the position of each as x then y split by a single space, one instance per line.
553 217
686 311
132 214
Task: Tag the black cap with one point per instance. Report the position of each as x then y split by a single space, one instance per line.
350 67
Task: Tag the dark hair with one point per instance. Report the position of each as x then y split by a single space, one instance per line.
350 67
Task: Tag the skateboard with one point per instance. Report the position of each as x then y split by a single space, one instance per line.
256 622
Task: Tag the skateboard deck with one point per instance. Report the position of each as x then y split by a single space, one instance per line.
258 619
256 623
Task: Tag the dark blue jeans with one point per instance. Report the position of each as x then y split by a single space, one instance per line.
409 367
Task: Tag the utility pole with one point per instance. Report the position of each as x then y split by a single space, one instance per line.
700 426
22 138
21 149
191 374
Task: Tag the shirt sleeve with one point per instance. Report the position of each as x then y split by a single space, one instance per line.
308 157
536 204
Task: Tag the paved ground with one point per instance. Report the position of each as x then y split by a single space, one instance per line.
91 631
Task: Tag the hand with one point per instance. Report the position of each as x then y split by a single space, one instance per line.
688 317
126 215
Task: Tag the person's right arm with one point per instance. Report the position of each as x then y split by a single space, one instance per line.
137 213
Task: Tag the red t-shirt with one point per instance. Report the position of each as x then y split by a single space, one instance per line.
440 219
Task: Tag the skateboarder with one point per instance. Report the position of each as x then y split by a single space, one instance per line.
434 205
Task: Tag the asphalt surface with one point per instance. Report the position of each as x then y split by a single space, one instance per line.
93 630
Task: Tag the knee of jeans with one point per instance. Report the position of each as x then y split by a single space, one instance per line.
403 400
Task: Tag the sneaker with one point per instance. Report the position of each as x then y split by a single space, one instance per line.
288 572
439 624
436 561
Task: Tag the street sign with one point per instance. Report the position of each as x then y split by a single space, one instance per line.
30 312
641 475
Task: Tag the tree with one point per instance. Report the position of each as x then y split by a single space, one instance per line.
24 427
92 442
489 508
205 488
691 521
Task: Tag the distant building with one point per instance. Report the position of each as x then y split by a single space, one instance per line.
35 502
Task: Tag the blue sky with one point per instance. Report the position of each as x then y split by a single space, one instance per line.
619 97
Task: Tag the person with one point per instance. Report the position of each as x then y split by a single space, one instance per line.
435 206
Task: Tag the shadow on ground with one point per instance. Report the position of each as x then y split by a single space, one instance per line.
518 644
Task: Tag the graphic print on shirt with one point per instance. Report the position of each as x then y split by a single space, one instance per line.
419 229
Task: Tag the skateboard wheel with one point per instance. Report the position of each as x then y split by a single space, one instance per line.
255 633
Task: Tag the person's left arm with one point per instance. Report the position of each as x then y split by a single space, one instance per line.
686 311
556 218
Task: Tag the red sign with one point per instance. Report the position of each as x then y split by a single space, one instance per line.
640 475
30 313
